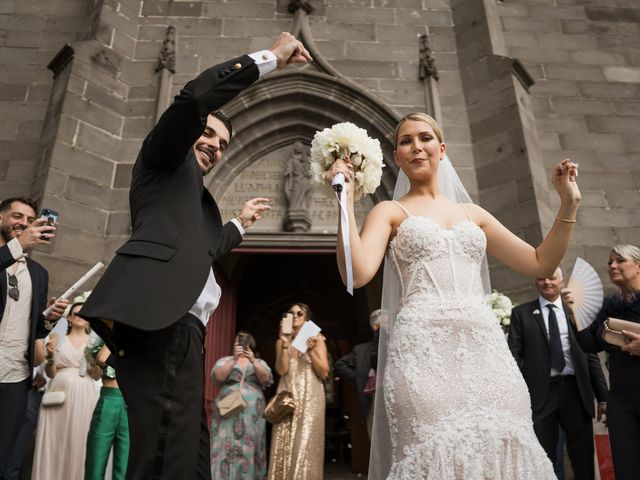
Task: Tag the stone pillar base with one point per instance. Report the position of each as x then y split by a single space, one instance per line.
296 221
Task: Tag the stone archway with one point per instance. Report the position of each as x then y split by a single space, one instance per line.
268 119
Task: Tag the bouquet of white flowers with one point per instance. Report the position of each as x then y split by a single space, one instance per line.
501 307
344 139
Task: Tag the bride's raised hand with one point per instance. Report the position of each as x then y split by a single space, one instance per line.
564 181
343 165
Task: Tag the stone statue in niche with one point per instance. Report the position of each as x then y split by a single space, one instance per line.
297 189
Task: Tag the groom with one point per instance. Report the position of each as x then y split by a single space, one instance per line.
159 290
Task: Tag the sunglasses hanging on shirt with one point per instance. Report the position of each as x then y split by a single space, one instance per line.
13 292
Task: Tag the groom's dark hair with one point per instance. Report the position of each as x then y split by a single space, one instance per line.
224 119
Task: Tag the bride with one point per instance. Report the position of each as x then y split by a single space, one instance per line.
452 402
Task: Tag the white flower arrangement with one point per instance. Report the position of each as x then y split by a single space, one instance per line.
501 307
343 139
81 298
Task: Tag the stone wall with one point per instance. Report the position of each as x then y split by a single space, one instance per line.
585 59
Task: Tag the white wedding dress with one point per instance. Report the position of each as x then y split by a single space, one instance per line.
456 404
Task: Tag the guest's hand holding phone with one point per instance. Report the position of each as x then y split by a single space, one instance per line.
38 232
238 351
286 329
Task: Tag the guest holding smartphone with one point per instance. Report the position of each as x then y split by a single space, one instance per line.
297 443
238 442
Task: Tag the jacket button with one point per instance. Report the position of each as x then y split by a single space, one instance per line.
121 353
237 66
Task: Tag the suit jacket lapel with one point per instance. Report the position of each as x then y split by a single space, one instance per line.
572 338
540 320
35 289
3 292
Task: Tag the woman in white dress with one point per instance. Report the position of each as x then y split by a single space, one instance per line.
453 404
61 436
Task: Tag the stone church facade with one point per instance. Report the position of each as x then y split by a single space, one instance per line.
516 84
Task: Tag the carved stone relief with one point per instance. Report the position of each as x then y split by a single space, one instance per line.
266 177
297 189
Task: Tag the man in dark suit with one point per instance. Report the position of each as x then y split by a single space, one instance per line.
24 285
160 290
562 379
355 366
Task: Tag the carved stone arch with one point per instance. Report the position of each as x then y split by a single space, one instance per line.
291 106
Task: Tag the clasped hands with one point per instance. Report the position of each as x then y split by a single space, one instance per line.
246 352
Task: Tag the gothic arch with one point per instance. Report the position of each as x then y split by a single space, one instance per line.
292 106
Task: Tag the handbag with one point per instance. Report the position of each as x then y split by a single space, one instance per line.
52 399
280 407
370 386
612 332
234 402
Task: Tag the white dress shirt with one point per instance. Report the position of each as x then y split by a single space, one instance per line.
563 327
16 325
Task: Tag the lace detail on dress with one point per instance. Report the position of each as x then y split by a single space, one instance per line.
456 402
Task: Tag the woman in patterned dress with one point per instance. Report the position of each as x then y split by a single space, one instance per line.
238 443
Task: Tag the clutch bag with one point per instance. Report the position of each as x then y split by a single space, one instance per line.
370 386
231 404
234 402
613 327
280 407
52 399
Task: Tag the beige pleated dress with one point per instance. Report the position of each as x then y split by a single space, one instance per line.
61 436
297 444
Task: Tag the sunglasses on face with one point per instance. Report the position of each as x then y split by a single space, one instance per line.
13 292
299 313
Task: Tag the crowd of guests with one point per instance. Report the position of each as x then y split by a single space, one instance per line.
564 374
80 426
238 443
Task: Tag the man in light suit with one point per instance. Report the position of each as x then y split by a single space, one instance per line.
24 284
562 379
159 290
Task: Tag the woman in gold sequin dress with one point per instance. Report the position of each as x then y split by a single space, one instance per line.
297 444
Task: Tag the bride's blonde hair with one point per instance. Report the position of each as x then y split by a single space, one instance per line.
420 117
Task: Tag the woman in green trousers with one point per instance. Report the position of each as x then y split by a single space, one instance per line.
109 425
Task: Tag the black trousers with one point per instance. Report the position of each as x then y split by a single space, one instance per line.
161 375
25 441
564 408
623 420
13 403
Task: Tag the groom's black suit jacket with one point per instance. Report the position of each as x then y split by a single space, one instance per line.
177 232
529 344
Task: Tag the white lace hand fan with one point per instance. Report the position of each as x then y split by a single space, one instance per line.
588 293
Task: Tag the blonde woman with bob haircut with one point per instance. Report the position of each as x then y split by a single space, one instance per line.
623 408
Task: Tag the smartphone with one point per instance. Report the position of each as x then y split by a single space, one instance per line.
243 341
51 216
287 323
